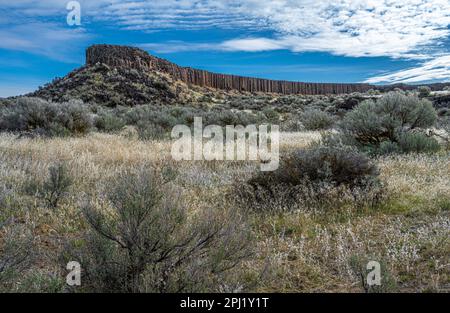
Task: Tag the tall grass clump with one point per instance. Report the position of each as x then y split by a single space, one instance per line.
388 124
145 240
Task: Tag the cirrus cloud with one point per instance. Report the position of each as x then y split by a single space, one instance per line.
400 28
407 29
393 28
432 70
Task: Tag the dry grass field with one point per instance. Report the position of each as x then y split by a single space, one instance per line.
299 250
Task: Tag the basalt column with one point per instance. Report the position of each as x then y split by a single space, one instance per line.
129 57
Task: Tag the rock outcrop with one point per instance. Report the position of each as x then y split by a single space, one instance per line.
127 76
129 57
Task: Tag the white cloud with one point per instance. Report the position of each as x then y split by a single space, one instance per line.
247 45
413 29
346 27
394 28
437 69
252 45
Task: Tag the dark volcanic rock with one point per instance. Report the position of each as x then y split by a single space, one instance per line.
121 75
129 57
102 84
442 101
349 103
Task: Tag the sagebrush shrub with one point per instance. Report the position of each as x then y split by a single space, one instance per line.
147 242
372 123
336 164
56 185
292 124
389 147
271 115
316 178
317 120
316 197
444 126
424 91
109 123
148 131
444 112
417 143
46 118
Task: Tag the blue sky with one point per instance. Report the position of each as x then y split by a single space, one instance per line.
375 41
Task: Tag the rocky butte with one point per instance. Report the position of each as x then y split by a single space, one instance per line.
130 57
128 76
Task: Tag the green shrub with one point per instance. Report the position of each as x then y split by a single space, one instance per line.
321 178
335 164
389 147
417 143
41 281
56 185
372 124
5 102
292 124
444 126
271 115
424 91
225 117
146 241
147 131
444 112
317 120
109 123
45 118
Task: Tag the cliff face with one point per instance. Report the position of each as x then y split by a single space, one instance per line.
129 57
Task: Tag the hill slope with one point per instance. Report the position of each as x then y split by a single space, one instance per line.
112 86
120 75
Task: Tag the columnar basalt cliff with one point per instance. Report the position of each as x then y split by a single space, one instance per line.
130 57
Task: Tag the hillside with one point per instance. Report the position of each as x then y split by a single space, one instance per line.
117 56
112 86
120 75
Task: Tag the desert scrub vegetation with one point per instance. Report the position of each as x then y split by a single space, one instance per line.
146 242
56 185
40 117
394 123
17 254
153 122
312 178
314 246
424 91
310 226
314 119
336 164
108 122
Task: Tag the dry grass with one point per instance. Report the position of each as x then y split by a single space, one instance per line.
297 251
